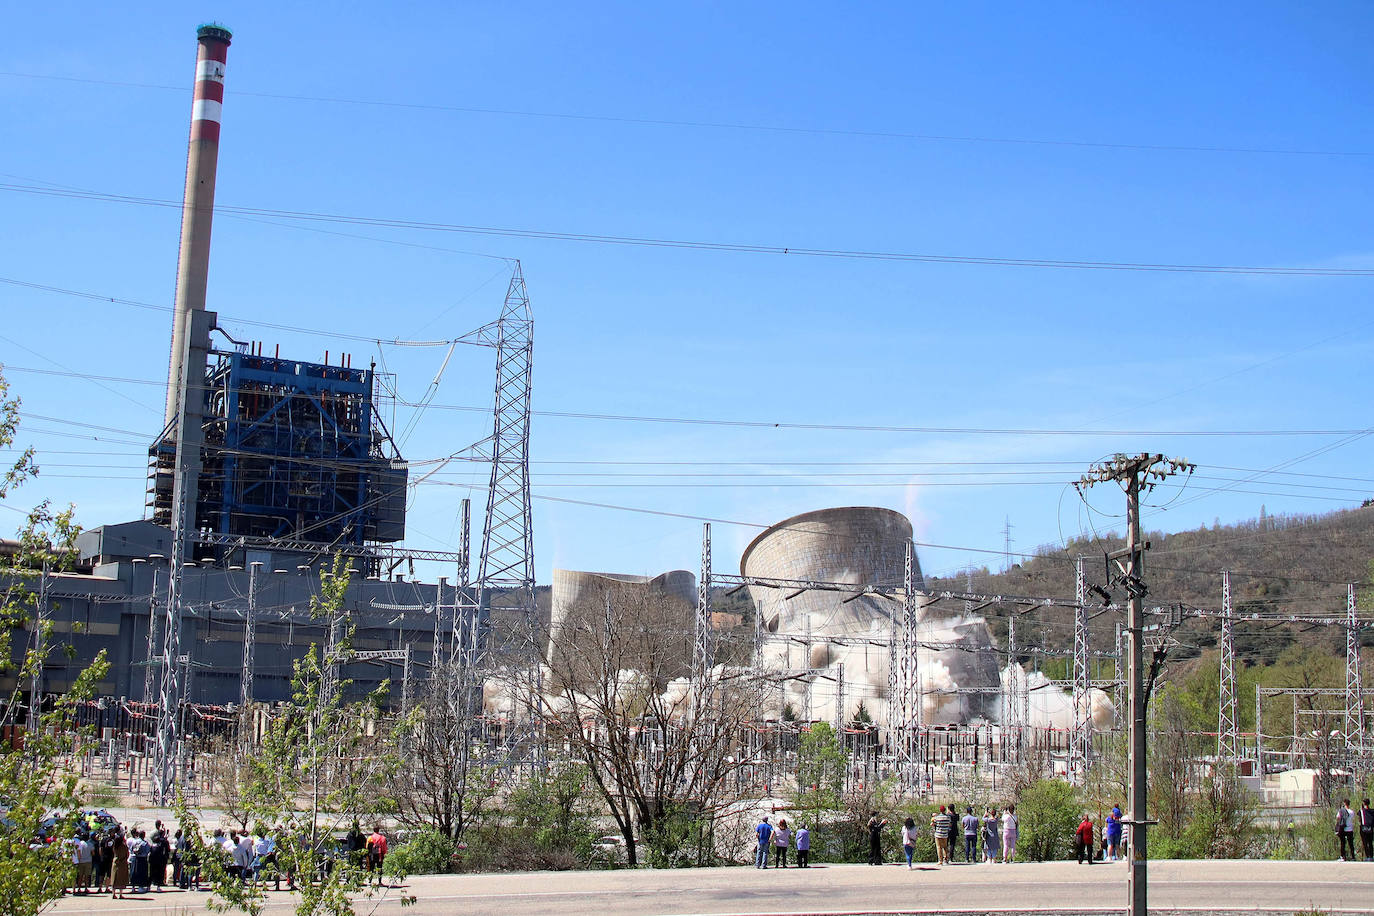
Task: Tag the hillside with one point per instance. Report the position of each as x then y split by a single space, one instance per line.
1278 564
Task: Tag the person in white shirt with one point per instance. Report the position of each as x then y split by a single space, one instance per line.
909 839
81 858
1345 830
1009 830
243 856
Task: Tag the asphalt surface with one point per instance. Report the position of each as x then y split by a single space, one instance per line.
1214 887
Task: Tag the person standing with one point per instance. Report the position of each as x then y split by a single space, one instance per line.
1114 834
1345 829
1009 832
119 865
190 869
139 852
764 832
782 837
941 825
376 847
1083 840
971 823
803 847
100 861
991 834
81 858
177 852
875 839
909 840
1367 830
159 854
357 843
953 832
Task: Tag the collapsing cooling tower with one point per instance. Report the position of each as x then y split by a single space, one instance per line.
861 546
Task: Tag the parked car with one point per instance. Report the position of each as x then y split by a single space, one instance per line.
610 850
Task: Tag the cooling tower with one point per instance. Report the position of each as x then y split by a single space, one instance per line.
579 597
861 546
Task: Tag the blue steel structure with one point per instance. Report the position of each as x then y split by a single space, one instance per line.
292 450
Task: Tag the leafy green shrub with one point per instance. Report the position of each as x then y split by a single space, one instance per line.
1047 813
1317 837
427 852
554 819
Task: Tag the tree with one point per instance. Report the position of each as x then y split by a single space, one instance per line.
555 815
439 785
1221 821
820 770
659 749
1174 768
1047 814
34 780
317 772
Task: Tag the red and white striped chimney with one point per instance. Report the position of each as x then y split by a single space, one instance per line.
198 203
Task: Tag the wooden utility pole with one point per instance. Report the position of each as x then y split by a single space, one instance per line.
1135 473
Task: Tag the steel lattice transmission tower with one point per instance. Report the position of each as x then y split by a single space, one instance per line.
1015 698
1080 751
904 707
506 562
1228 738
703 648
1354 695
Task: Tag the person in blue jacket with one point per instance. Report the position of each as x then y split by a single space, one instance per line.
1114 834
765 833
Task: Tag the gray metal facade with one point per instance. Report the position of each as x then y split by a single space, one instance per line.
107 607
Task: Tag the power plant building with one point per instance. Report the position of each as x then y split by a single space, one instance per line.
280 464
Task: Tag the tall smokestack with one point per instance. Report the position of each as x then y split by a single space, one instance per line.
198 204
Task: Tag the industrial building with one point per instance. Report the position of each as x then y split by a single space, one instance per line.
266 468
119 589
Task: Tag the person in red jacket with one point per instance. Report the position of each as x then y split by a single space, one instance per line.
1083 840
376 852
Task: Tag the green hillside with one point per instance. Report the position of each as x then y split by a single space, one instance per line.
1278 564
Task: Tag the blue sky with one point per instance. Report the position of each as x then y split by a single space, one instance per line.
799 126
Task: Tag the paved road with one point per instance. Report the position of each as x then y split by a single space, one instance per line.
1057 887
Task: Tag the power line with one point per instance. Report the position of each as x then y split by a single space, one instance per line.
718 125
927 430
276 326
780 463
732 479
699 245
